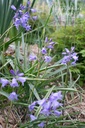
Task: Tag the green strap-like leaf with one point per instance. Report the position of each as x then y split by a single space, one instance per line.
34 91
4 94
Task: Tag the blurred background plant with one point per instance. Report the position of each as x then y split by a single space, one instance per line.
72 36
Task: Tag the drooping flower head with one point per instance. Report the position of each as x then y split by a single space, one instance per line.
41 125
28 2
13 7
49 43
41 102
32 117
17 77
32 57
34 18
14 83
44 51
13 96
47 59
56 96
49 107
22 7
33 10
46 39
22 17
69 56
4 82
32 106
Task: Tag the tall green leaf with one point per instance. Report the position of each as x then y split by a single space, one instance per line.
6 13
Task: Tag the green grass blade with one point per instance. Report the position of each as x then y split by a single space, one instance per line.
34 91
4 94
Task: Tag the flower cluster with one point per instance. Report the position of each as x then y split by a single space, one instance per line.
17 77
49 107
49 45
69 56
22 17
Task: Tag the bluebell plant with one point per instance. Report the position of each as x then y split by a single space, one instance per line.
13 96
14 82
48 45
23 16
49 107
70 57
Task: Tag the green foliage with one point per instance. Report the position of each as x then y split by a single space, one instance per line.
6 13
65 11
72 36
73 5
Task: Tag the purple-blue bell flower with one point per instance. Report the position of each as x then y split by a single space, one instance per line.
72 49
67 51
32 106
20 12
34 17
56 104
17 77
46 39
47 105
51 45
22 79
41 102
28 2
32 57
28 27
66 59
32 117
33 10
41 125
13 7
14 83
74 56
69 56
25 17
48 59
19 74
56 96
13 72
13 96
46 108
4 82
17 23
50 39
16 73
45 112
57 113
44 51
73 63
22 7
